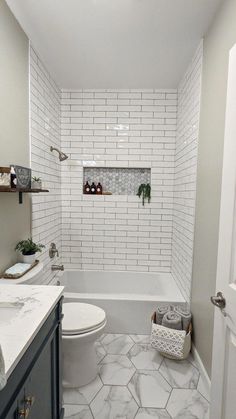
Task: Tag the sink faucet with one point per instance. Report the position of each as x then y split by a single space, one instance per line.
57 267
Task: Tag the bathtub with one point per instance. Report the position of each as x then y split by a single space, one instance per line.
129 299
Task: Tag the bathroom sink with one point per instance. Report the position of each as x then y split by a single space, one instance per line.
9 311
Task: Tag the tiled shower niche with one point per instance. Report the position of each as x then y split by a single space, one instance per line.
118 181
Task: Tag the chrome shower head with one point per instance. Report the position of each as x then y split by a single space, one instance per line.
62 156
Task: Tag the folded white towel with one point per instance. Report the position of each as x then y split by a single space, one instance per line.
185 315
161 311
172 320
3 378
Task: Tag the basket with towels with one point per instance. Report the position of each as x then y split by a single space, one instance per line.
171 331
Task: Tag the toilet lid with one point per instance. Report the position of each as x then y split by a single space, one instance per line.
81 318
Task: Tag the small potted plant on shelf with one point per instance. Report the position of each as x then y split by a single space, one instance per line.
36 182
28 250
144 191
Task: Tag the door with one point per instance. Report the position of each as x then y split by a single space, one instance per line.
223 394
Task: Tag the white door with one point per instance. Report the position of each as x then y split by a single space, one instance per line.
223 395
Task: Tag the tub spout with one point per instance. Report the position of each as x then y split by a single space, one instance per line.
57 267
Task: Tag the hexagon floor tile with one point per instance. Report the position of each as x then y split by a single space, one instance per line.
180 374
152 414
150 389
82 395
100 351
140 338
117 344
116 370
113 402
187 404
135 382
75 411
144 357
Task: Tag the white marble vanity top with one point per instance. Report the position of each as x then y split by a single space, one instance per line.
20 321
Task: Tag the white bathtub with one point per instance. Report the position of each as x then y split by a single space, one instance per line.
128 299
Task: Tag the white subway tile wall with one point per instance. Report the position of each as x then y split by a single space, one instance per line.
189 94
45 131
153 129
118 128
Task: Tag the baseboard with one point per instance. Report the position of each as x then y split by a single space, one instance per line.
202 369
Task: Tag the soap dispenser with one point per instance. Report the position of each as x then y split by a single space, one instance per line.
99 189
93 188
87 188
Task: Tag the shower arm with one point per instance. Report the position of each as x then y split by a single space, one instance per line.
62 156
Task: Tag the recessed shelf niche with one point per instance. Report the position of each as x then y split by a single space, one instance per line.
118 181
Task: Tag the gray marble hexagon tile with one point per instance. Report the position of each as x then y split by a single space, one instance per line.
144 413
82 395
113 402
116 370
144 357
187 404
140 338
117 344
150 389
100 351
179 374
75 411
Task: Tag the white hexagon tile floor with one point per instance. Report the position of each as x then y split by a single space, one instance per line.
135 382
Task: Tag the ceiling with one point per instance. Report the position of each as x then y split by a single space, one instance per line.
115 43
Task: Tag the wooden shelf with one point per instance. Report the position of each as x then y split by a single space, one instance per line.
20 191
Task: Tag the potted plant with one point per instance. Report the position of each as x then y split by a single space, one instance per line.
144 191
36 183
28 249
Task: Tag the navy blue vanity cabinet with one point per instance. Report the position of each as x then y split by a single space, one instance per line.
34 390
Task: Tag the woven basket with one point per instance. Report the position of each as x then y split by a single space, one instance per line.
186 345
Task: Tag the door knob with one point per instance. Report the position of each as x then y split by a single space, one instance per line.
219 301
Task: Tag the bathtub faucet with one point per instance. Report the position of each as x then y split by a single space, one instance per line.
57 267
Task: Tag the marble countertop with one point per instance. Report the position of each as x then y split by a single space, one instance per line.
25 310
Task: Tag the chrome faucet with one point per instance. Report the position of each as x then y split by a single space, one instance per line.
53 251
57 267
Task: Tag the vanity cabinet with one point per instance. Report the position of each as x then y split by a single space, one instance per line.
33 389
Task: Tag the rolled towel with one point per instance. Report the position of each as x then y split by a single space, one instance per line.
172 320
161 311
3 378
186 316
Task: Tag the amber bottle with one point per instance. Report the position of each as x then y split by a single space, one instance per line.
93 188
87 188
99 189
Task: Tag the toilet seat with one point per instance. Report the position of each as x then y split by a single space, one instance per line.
80 318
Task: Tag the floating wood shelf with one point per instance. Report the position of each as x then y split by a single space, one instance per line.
20 191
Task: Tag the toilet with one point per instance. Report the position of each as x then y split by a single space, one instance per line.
82 325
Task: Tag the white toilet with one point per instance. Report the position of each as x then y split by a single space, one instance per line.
81 326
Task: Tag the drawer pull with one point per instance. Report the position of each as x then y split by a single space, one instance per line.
29 400
23 413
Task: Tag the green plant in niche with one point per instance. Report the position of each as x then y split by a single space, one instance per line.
144 191
28 247
36 179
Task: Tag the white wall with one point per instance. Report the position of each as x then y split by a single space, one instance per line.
45 131
116 232
189 95
217 43
14 132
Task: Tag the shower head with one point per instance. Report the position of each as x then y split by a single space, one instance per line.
62 156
